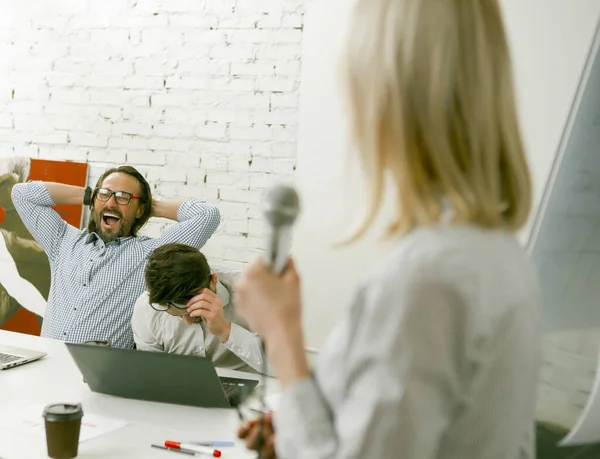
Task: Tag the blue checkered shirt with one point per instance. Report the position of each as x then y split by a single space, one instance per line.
95 285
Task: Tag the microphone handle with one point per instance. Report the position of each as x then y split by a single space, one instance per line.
279 248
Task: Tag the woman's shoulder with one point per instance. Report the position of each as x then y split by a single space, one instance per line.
459 275
458 257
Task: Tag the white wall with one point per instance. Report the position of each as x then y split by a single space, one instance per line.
326 179
201 95
550 40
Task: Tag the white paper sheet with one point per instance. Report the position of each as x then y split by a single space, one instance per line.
587 428
29 421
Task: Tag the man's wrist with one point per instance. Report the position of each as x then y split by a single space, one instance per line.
226 333
155 207
63 194
165 208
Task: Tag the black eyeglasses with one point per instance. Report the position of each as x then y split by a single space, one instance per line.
178 308
169 305
238 401
121 197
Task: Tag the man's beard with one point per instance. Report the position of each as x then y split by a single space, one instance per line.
95 225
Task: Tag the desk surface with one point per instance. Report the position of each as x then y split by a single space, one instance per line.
56 379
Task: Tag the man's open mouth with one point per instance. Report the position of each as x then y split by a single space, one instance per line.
110 219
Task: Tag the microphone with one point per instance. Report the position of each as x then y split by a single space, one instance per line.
281 207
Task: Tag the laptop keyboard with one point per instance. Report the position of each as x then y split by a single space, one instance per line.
235 387
8 358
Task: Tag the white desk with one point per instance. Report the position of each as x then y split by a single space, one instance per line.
56 379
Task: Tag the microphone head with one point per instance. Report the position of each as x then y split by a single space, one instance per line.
282 205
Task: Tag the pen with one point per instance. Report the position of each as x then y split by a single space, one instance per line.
175 450
215 444
191 447
240 414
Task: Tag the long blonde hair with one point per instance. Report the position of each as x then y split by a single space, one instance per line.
433 105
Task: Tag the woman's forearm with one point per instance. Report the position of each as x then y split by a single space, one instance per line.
286 353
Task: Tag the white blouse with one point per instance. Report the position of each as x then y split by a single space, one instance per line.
437 358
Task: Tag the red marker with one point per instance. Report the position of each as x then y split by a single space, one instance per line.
192 447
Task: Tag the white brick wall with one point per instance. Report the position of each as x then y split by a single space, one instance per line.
201 95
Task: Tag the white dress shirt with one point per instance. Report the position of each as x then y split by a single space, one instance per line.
437 358
160 331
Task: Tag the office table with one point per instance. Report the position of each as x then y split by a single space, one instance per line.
56 379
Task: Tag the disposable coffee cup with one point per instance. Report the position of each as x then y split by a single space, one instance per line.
63 423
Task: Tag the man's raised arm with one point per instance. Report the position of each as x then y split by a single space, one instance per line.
34 200
197 221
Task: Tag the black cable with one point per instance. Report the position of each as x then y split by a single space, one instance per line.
236 400
260 440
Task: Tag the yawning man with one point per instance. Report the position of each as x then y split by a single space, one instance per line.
98 273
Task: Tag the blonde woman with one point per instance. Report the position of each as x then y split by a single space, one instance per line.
438 355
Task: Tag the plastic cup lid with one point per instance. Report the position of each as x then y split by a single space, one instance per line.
63 412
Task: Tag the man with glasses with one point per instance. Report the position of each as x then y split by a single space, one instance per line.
97 274
189 309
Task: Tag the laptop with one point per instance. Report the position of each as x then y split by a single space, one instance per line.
13 356
158 377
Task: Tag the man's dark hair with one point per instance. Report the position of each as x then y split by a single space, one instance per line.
145 193
176 272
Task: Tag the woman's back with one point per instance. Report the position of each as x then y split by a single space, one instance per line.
500 358
451 317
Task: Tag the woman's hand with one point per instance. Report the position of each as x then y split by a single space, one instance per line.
271 305
249 432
